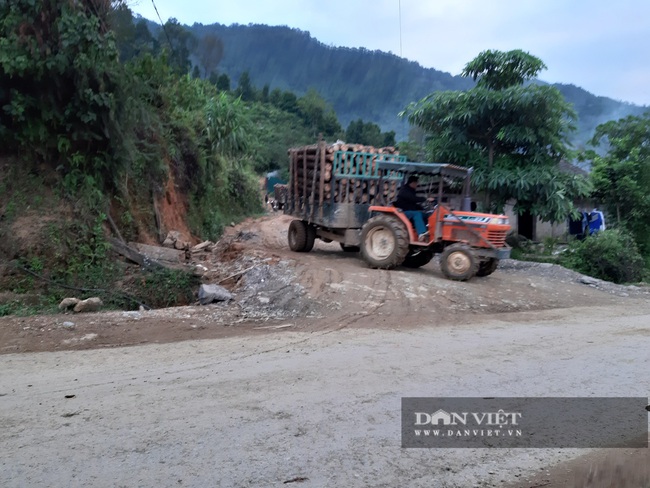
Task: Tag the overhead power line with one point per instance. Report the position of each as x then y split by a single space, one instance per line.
163 27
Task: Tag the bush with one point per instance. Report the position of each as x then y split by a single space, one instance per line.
611 255
166 288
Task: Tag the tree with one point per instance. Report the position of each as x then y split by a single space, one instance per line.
621 177
513 134
354 132
143 41
318 115
497 70
264 97
368 134
210 52
121 23
61 83
245 89
180 42
223 82
284 100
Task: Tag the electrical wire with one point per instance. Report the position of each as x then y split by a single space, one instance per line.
163 27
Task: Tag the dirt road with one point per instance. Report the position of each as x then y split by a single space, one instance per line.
321 407
299 381
320 290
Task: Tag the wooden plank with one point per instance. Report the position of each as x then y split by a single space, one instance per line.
313 182
304 178
294 176
321 192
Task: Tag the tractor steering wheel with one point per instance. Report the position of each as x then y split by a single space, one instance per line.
428 205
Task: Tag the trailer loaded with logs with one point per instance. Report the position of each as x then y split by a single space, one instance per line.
345 192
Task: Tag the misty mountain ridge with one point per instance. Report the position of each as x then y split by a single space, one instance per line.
363 84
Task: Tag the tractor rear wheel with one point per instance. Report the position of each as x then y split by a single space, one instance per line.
458 262
384 242
301 236
487 267
416 259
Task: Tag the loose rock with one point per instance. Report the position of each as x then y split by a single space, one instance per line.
172 237
204 246
89 305
68 303
588 280
213 293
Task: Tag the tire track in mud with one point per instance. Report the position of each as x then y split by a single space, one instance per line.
346 290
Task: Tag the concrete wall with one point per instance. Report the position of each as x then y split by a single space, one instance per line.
541 230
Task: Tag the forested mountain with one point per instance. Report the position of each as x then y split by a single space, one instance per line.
360 83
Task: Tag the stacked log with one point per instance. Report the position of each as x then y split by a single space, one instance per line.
340 172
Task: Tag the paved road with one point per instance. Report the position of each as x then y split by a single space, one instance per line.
302 408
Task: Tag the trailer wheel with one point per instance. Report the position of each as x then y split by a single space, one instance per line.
384 242
350 248
458 262
487 267
417 258
300 236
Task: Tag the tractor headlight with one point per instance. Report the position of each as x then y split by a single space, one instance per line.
500 220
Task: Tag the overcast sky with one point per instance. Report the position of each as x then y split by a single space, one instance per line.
602 46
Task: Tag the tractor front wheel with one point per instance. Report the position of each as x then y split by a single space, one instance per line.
458 262
384 242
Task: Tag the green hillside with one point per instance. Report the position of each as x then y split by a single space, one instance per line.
360 83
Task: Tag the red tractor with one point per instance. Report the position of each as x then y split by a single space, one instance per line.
349 198
470 243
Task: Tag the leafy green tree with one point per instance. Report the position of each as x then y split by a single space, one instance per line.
223 82
121 22
621 177
284 100
318 115
513 134
180 43
245 89
354 132
288 102
210 53
389 138
368 134
143 41
62 85
272 132
274 97
497 70
264 96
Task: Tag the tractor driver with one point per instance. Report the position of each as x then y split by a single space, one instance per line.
410 203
